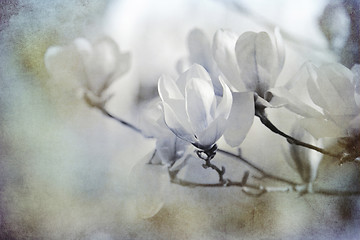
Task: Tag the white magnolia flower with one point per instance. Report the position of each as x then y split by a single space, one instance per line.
250 62
242 112
169 148
200 52
304 160
191 109
95 65
334 88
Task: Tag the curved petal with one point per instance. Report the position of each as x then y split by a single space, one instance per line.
200 49
281 96
321 128
175 125
313 88
255 56
102 61
200 103
208 137
280 51
240 119
147 184
170 148
224 55
334 80
65 64
122 66
304 160
195 71
224 107
110 49
168 89
50 58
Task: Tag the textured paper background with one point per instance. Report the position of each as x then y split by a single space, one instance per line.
67 172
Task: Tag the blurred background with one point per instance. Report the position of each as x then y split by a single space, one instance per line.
68 172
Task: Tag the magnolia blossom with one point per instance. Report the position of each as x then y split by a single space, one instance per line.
169 148
305 161
242 112
95 65
191 109
200 52
250 62
334 88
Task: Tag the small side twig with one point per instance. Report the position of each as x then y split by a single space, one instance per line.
220 172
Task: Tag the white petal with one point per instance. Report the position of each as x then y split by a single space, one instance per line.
224 107
170 148
255 56
50 57
262 103
321 128
313 88
195 71
122 60
209 136
200 103
200 49
240 119
152 122
334 81
306 161
65 64
280 50
102 65
173 122
200 52
123 65
168 89
281 96
224 55
147 184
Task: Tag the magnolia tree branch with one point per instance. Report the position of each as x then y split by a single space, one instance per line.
127 124
263 173
250 189
264 120
257 190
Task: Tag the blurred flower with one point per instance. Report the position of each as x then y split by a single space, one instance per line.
242 111
95 65
169 148
250 62
332 87
191 109
200 52
304 160
335 89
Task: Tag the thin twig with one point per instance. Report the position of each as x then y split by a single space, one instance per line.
256 190
220 172
127 124
261 171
